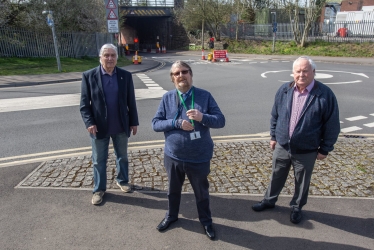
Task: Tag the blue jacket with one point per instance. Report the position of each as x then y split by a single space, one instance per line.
93 107
178 144
318 127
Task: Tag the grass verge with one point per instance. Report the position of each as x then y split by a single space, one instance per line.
36 66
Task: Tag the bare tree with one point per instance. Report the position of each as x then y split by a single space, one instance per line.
312 10
212 12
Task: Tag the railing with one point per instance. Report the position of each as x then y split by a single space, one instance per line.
148 3
22 43
355 31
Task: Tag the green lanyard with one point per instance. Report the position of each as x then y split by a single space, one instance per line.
192 102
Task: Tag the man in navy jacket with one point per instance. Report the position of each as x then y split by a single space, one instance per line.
108 109
185 115
304 126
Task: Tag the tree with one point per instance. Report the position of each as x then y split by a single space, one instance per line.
212 12
68 15
312 10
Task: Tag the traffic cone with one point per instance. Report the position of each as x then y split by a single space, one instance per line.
227 57
136 58
202 55
164 49
213 59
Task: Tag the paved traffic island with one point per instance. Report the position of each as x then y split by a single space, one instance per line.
238 168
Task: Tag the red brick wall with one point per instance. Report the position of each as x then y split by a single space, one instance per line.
355 5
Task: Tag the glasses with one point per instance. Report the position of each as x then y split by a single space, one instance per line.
184 72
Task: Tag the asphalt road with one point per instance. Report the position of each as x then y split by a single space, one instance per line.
244 90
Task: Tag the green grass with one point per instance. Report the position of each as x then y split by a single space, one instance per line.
36 66
318 48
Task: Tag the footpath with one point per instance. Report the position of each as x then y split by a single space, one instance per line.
46 205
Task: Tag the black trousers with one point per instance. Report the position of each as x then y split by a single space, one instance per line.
197 174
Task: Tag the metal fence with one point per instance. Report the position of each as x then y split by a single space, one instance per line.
333 32
23 43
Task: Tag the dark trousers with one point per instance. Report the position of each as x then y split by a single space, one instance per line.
197 173
303 165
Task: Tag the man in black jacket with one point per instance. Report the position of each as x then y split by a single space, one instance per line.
108 109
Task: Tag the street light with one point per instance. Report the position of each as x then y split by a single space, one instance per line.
51 24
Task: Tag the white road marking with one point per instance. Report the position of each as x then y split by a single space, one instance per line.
56 101
356 118
150 83
350 129
370 125
372 114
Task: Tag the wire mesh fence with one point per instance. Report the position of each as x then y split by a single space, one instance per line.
333 32
23 43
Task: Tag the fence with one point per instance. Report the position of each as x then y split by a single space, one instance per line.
22 43
355 31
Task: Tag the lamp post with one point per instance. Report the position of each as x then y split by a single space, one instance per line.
51 24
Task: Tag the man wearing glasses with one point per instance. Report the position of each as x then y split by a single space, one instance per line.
108 109
185 115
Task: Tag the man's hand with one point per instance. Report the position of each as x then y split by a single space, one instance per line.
321 156
272 144
92 130
186 125
195 114
133 129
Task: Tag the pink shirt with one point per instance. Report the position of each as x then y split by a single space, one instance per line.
298 103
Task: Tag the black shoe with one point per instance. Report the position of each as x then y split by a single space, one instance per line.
165 223
295 216
209 231
262 206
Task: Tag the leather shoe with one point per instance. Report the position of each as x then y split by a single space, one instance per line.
209 231
295 216
262 206
164 224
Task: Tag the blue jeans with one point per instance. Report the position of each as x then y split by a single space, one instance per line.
100 149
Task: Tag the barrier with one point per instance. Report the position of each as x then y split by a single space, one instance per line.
202 55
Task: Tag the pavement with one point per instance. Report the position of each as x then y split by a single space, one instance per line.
46 205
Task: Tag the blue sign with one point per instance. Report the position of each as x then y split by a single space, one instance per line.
50 20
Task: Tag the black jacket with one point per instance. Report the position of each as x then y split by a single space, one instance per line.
93 107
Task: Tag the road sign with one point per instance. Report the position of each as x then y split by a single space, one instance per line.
112 16
111 5
50 20
113 26
111 10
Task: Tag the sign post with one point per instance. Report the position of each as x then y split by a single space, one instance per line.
274 14
51 24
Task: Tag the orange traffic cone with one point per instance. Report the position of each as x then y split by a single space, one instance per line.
202 55
227 57
213 59
136 58
164 50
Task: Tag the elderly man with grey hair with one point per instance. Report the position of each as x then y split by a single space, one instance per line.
185 116
304 127
108 110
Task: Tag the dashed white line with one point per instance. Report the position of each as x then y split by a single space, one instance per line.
356 118
370 125
350 129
